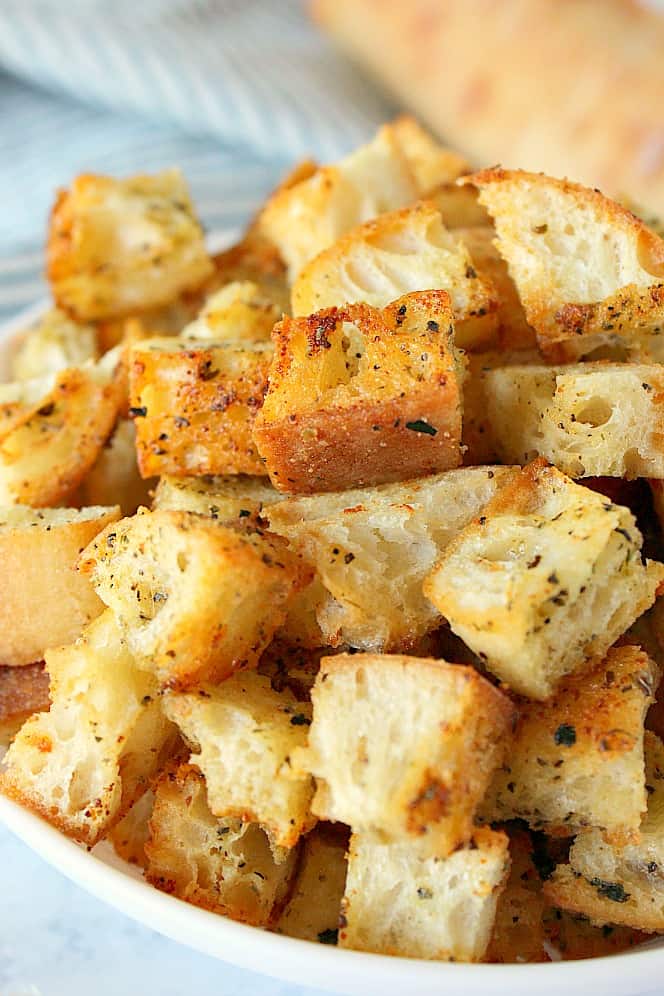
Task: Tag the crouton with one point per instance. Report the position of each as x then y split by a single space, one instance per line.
116 247
52 344
45 602
231 499
589 419
114 475
256 260
130 835
577 760
23 691
609 884
84 763
518 930
312 911
226 866
239 312
51 433
360 396
372 549
397 253
404 747
306 218
400 903
549 576
194 405
431 163
571 937
589 273
194 599
243 733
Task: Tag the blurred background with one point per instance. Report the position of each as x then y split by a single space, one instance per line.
234 91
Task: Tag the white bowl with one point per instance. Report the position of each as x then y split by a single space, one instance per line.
118 883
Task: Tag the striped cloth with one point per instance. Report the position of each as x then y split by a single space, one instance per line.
232 91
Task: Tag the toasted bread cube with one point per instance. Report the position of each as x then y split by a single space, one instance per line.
23 691
52 431
623 885
549 576
243 734
518 933
396 254
222 865
459 206
589 273
577 760
304 219
361 396
52 344
239 312
312 911
589 419
195 600
115 475
45 602
398 902
130 835
194 405
361 541
232 499
116 247
404 747
432 164
84 763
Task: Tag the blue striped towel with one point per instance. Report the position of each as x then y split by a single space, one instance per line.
232 91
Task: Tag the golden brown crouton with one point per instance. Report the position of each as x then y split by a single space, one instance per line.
431 163
549 576
232 499
312 911
404 747
116 247
360 396
52 344
45 602
194 599
518 930
239 312
194 405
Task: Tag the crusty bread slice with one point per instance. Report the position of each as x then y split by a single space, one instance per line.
549 576
83 764
314 905
589 419
222 865
45 602
243 734
52 344
239 312
373 547
577 760
404 747
116 247
396 254
609 884
194 599
400 903
23 691
362 396
587 270
231 499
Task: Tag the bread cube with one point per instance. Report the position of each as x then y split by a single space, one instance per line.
400 903
52 431
589 273
84 763
622 885
360 396
518 933
194 405
312 911
589 419
52 344
239 312
577 760
116 247
195 600
226 866
304 219
243 733
232 499
45 602
431 163
549 576
404 747
23 691
115 475
397 253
